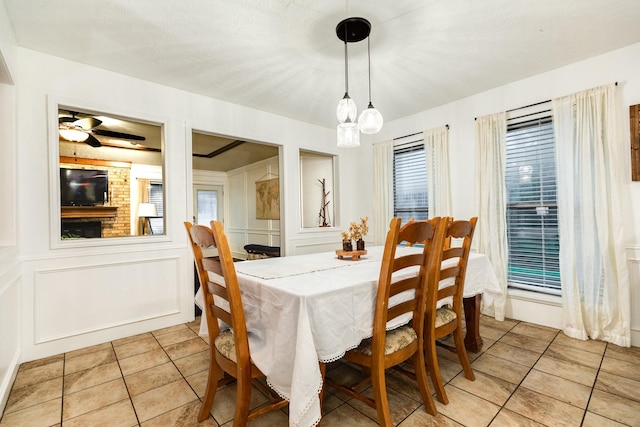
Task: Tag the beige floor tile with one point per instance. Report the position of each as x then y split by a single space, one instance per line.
514 354
488 332
89 360
119 414
567 370
41 362
507 418
347 416
525 342
592 346
34 395
93 398
400 407
544 409
504 325
184 416
195 363
127 340
574 355
404 385
620 386
87 350
151 378
136 347
143 361
198 382
448 369
175 337
272 419
629 354
488 387
466 408
621 368
224 404
38 374
558 388
420 418
163 399
535 331
91 377
614 407
595 420
169 329
501 368
186 348
42 415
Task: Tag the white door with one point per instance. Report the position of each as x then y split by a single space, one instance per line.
207 201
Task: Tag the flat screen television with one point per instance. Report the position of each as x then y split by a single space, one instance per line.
83 187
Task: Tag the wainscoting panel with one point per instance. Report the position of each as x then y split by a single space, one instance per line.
74 301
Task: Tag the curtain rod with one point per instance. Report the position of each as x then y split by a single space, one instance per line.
413 134
530 105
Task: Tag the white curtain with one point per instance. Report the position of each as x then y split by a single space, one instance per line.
593 269
490 236
383 190
436 148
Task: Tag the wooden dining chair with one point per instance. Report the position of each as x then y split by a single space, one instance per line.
448 319
229 345
386 349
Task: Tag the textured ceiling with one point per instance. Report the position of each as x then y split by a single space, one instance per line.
283 56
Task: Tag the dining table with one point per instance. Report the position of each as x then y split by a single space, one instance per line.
304 310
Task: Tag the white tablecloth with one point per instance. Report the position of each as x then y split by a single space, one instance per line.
309 308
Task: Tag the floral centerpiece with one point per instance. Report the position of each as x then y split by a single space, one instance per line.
356 232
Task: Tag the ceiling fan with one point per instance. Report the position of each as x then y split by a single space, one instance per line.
83 130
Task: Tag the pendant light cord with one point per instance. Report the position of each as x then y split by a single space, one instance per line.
346 68
369 59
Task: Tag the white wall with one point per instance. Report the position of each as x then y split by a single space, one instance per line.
617 66
241 225
10 280
109 288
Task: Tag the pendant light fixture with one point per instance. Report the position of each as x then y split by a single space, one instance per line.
352 30
370 121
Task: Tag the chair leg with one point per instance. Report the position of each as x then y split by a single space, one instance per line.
419 367
462 354
212 387
243 399
378 382
434 370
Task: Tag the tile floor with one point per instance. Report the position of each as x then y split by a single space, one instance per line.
527 375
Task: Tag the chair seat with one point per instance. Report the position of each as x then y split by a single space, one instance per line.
445 315
226 345
396 339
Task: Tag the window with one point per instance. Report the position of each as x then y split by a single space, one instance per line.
156 197
410 198
532 213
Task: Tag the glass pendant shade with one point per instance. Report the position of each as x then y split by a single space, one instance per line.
348 135
370 120
346 109
73 135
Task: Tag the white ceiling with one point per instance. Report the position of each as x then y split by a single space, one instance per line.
283 56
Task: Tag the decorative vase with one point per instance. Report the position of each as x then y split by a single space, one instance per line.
347 246
360 244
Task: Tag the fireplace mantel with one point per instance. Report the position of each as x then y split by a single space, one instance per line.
88 211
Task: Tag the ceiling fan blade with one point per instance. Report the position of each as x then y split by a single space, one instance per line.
88 123
66 120
93 141
119 135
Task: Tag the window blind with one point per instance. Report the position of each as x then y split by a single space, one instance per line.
532 213
410 198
